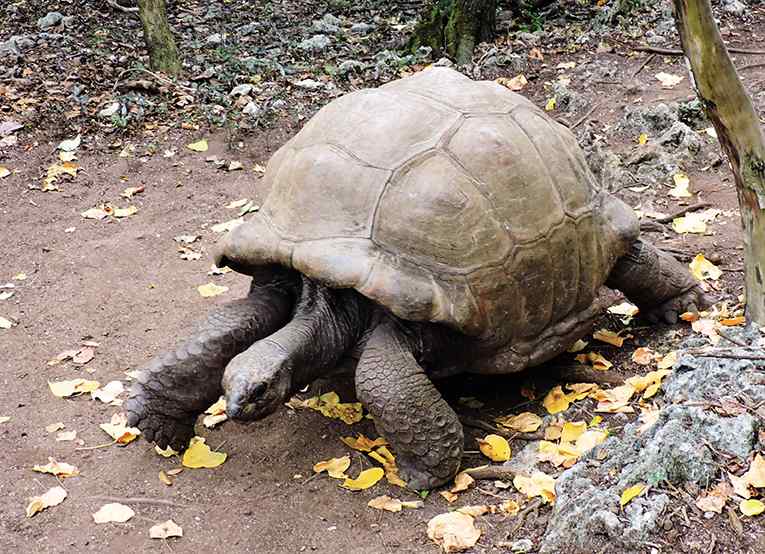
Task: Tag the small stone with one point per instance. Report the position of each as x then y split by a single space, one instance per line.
250 29
349 66
329 24
444 62
241 90
279 104
68 21
734 7
522 545
216 38
362 28
110 110
251 109
309 84
315 43
50 20
529 38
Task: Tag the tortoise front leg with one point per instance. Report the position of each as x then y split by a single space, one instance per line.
409 412
657 283
175 387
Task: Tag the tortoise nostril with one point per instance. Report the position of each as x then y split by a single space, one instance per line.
259 390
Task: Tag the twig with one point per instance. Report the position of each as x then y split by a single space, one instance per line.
532 506
678 52
490 472
116 6
139 500
735 341
159 78
484 426
648 60
105 445
727 353
585 374
682 212
750 66
581 120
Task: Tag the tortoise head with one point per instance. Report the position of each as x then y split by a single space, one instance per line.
257 382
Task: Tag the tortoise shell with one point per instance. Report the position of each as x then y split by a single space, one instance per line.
445 200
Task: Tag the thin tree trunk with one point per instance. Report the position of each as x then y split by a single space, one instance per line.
455 27
730 109
163 54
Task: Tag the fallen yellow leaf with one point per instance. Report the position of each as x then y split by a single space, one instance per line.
702 269
53 497
335 467
609 337
755 475
668 361
362 443
198 146
199 455
515 84
63 389
211 289
4 172
733 321
680 190
165 530
630 493
578 346
525 422
642 139
366 479
550 104
329 405
510 507
539 484
751 507
118 429
495 448
556 401
572 430
462 482
643 356
59 469
596 360
113 513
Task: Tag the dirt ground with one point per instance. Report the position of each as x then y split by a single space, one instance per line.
122 283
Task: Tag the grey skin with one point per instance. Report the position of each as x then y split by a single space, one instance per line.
290 330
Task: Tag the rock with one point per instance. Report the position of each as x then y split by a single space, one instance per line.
315 43
350 66
522 546
15 46
444 62
567 100
309 84
69 21
734 7
677 449
681 139
530 39
279 104
50 20
250 29
110 110
651 120
251 109
241 90
215 38
362 28
329 24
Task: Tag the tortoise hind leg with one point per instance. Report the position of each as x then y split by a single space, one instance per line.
175 387
657 283
409 412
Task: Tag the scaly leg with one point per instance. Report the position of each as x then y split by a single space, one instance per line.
657 283
409 412
175 387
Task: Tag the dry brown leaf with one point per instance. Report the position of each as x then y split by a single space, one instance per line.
453 531
525 422
59 469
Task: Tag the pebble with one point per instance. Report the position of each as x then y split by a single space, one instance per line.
316 43
241 90
51 19
362 28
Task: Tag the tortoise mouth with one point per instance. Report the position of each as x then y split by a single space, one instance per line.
248 410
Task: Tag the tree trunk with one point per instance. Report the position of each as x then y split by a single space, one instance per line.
730 109
163 54
455 27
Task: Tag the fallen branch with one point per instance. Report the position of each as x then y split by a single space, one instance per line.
728 353
648 60
682 212
484 426
582 119
585 374
125 9
139 500
532 506
491 472
678 52
750 66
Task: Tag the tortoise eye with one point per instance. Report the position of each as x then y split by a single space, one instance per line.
259 390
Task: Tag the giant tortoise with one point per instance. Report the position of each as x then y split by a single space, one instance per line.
432 226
